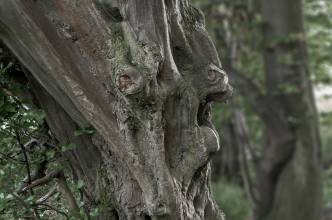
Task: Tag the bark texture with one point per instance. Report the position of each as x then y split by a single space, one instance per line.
143 73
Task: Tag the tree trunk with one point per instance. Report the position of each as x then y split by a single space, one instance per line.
288 182
226 163
288 178
143 73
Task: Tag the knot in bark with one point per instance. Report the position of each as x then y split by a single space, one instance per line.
218 84
130 81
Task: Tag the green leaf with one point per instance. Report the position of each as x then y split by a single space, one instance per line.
84 131
50 154
80 184
95 212
67 147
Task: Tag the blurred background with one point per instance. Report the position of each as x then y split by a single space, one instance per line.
260 45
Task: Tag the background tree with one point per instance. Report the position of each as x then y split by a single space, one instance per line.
239 28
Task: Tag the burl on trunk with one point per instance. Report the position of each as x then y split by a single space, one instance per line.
143 73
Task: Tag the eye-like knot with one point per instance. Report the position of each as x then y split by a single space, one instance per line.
216 75
125 82
218 88
212 75
129 81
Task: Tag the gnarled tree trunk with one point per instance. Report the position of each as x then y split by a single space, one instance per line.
143 73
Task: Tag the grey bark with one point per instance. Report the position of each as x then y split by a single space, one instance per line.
289 178
143 73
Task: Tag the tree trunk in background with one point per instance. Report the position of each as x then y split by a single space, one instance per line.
288 181
143 73
288 178
226 163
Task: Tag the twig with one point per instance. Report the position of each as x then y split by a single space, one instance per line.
54 209
48 195
63 186
27 165
27 206
25 157
38 173
12 158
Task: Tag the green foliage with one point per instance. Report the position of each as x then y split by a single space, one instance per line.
21 124
67 147
18 124
84 131
240 21
327 189
318 16
326 135
232 199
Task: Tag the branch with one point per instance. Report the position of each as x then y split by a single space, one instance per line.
38 173
33 214
54 209
30 144
63 186
264 106
66 192
244 142
239 120
12 158
244 83
25 156
258 101
42 181
48 195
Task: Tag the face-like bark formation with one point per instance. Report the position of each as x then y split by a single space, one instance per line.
143 73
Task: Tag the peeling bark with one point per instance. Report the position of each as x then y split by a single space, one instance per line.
143 73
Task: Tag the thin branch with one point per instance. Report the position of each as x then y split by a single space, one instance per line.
48 195
238 115
241 131
245 84
11 158
259 102
33 214
49 207
30 144
9 93
38 173
25 157
26 163
63 186
41 181
66 192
